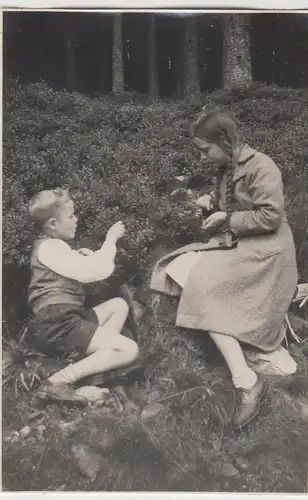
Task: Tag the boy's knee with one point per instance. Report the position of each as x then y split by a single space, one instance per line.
132 350
121 306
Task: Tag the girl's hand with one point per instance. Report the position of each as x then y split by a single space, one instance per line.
214 220
206 202
116 231
85 251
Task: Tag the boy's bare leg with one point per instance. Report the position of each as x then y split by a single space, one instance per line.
112 314
107 350
117 351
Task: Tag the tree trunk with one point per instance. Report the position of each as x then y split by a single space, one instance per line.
117 56
191 69
10 27
6 37
69 49
237 70
152 60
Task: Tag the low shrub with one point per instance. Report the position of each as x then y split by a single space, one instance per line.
117 156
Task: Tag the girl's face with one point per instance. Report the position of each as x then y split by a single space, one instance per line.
211 151
65 224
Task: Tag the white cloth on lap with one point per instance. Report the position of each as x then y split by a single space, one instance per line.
181 266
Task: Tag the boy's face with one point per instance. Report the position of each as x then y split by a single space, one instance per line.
64 225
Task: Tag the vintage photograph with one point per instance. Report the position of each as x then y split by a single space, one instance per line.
155 250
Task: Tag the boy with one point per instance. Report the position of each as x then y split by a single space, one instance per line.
61 323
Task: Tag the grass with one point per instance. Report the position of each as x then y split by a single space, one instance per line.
188 446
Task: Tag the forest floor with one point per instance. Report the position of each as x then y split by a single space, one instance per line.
169 432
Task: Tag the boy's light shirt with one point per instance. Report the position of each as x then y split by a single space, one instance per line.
58 256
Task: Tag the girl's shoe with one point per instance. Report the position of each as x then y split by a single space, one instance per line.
250 404
60 393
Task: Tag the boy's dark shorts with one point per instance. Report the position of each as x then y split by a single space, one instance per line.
61 329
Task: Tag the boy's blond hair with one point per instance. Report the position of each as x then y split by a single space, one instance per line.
45 204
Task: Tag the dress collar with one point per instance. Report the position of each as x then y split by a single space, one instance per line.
246 154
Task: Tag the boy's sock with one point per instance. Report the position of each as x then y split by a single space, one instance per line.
67 375
98 362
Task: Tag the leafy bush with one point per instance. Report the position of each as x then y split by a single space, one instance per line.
116 156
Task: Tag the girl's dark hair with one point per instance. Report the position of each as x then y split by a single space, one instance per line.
220 128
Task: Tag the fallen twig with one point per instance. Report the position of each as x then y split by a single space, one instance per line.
40 460
181 393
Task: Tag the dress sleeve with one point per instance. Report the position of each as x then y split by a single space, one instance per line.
265 187
61 259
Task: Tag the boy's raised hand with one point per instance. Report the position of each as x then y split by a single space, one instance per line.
116 231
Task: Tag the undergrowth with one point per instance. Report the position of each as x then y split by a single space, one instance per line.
117 157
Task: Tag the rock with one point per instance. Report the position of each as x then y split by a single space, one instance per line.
151 411
41 429
13 437
228 470
68 427
25 431
278 362
242 463
93 393
87 460
304 411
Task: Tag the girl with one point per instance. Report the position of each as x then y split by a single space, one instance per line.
240 284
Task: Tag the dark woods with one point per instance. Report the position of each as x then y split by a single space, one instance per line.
118 154
158 55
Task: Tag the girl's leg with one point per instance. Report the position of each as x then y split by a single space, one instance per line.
244 379
242 376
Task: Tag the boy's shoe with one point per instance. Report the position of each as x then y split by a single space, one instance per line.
250 404
60 393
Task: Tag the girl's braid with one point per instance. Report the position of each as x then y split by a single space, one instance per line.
229 197
229 194
218 181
